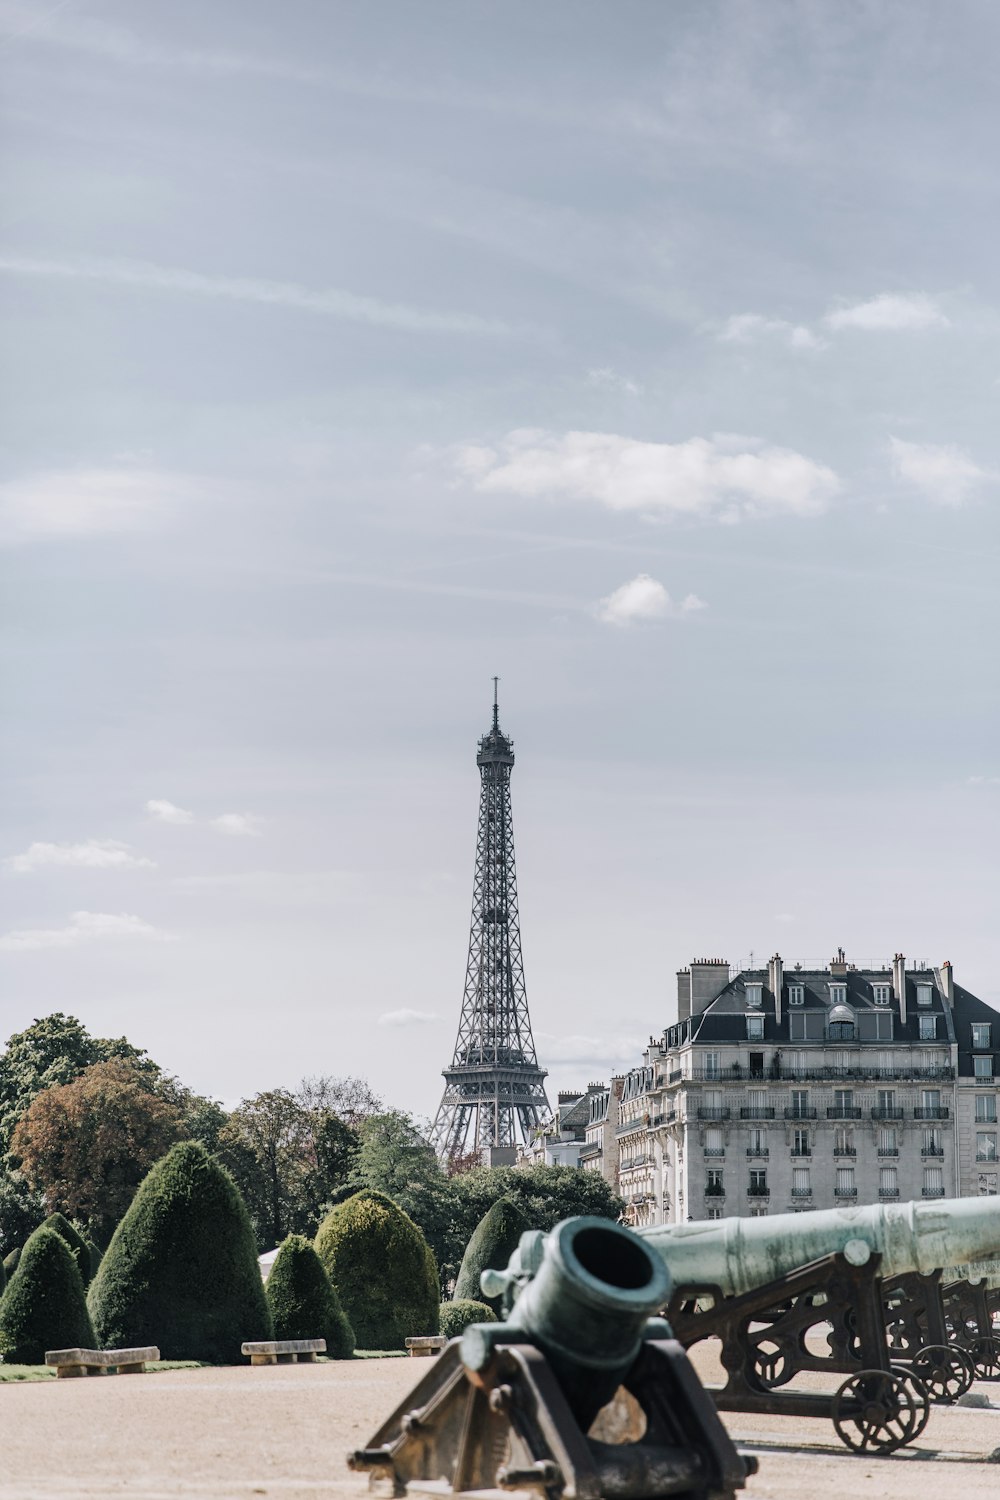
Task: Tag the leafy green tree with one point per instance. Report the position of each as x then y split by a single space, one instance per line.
86 1145
21 1209
266 1144
303 1301
395 1158
44 1307
181 1270
545 1195
493 1242
382 1268
459 1313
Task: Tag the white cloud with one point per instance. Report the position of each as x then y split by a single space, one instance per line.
83 927
88 502
889 313
745 328
982 781
944 474
95 854
603 1051
407 1018
643 598
725 476
241 825
329 302
168 812
610 380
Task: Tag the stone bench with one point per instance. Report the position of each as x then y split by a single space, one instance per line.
430 1343
284 1351
69 1362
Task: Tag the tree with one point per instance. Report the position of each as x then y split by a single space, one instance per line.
461 1312
544 1194
395 1158
181 1271
350 1099
493 1242
266 1145
44 1306
382 1268
303 1302
86 1145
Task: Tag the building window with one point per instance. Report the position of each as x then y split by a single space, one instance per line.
845 1185
796 994
933 1182
711 1062
928 1028
886 1103
987 1184
757 1142
932 1143
887 1143
924 994
800 1143
986 1107
755 995
981 1036
843 1102
758 1212
713 1183
843 1142
982 1067
714 1213
800 1104
755 1028
881 994
888 1182
986 1146
758 1183
838 994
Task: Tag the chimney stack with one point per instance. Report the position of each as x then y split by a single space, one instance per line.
899 985
947 978
683 994
775 979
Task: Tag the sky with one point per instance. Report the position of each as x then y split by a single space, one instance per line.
645 355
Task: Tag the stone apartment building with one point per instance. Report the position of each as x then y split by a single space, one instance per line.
785 1088
560 1141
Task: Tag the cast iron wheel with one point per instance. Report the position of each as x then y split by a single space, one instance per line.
772 1364
985 1355
921 1398
946 1372
878 1411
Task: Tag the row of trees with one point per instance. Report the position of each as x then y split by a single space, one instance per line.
82 1120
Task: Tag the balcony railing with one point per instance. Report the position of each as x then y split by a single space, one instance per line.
757 1112
931 1112
994 1158
845 1192
888 1151
802 1192
845 1150
804 1151
715 1150
936 1192
932 1151
887 1112
902 1073
758 1151
711 1112
886 1192
801 1112
756 1191
844 1112
715 1191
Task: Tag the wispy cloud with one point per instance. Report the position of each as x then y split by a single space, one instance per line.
606 1052
407 1018
610 380
944 474
83 927
723 477
889 312
746 328
168 812
982 780
643 598
95 854
330 302
88 502
240 825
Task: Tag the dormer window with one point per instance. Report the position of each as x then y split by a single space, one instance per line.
755 996
840 1026
796 994
881 994
981 1036
928 1028
925 994
838 994
755 1028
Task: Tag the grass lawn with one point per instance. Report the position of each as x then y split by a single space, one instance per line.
44 1372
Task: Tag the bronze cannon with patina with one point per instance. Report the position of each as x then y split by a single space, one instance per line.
530 1403
830 1291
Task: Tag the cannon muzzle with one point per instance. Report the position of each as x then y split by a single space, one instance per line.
583 1295
739 1255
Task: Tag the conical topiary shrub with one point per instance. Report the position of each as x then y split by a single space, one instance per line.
459 1314
303 1302
95 1257
378 1260
45 1306
181 1270
75 1241
10 1261
493 1242
3 1279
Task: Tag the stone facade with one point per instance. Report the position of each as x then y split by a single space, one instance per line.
782 1089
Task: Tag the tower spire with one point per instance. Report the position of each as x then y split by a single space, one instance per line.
494 1090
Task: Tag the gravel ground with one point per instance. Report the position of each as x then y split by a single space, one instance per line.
283 1431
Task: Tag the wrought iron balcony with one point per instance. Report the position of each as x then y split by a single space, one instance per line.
843 1112
845 1150
757 1112
758 1151
885 1192
888 1151
802 1192
715 1190
803 1151
932 1151
845 1192
801 1112
715 1151
937 1192
756 1191
887 1112
986 1157
712 1112
931 1112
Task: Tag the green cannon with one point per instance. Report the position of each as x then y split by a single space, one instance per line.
524 1404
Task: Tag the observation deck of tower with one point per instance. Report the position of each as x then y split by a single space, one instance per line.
494 1090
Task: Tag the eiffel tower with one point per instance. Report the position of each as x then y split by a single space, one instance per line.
494 1090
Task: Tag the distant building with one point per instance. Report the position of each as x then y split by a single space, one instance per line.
782 1089
559 1142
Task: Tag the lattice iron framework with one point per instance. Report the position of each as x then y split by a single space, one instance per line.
494 1090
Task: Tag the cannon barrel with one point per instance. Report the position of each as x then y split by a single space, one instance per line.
583 1295
739 1255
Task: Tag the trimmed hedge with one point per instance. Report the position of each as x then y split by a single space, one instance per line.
95 1257
382 1268
493 1242
45 1306
303 1302
11 1260
3 1279
459 1314
181 1271
76 1243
